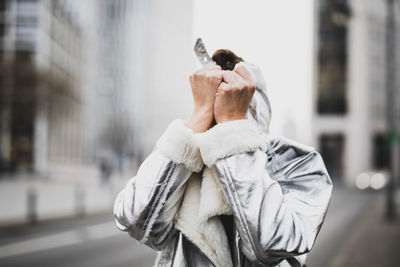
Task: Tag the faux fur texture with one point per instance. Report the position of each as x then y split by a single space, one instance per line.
212 200
204 199
229 138
178 143
207 234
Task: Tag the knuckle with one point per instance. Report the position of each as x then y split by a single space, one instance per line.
224 88
216 67
239 68
212 77
220 91
235 86
197 75
252 86
243 85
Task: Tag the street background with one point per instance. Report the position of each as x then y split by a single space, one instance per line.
87 87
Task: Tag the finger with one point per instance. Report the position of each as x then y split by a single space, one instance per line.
208 68
223 86
244 73
231 77
214 73
211 67
235 80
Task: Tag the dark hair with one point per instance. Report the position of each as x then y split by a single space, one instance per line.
226 59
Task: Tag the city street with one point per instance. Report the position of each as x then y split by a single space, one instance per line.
82 242
100 95
347 208
95 241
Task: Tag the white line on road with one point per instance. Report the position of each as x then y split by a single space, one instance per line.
61 239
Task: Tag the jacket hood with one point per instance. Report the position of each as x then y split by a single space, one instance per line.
260 107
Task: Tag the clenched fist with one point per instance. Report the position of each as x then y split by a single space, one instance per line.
233 95
204 85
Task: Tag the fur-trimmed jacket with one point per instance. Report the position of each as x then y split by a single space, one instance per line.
231 196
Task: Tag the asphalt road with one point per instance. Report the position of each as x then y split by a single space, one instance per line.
96 242
345 212
88 242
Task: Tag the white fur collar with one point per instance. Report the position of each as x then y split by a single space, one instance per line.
203 200
229 138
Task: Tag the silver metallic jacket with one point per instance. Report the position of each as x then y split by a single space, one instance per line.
231 196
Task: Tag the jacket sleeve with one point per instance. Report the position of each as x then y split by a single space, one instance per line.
146 206
278 190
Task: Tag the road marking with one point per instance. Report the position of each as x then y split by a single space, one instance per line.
61 239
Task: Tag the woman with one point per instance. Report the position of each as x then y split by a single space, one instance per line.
218 189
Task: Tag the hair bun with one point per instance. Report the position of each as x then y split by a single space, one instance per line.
226 59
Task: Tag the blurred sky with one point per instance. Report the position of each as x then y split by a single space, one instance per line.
284 53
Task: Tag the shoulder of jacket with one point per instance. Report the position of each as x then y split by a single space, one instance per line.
278 142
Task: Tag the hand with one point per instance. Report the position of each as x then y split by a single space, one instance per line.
204 85
233 95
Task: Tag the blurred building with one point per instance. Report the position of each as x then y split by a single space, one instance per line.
122 28
86 80
144 59
170 62
43 78
350 111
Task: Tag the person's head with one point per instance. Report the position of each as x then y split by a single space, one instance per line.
260 108
226 59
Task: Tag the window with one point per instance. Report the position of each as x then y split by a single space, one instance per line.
381 156
25 36
332 150
3 28
3 5
332 56
27 7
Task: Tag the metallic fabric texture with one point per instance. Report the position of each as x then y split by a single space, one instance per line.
278 191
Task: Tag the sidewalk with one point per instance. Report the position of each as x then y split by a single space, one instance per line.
24 199
375 241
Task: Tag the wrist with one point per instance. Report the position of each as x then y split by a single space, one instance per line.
230 118
200 120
